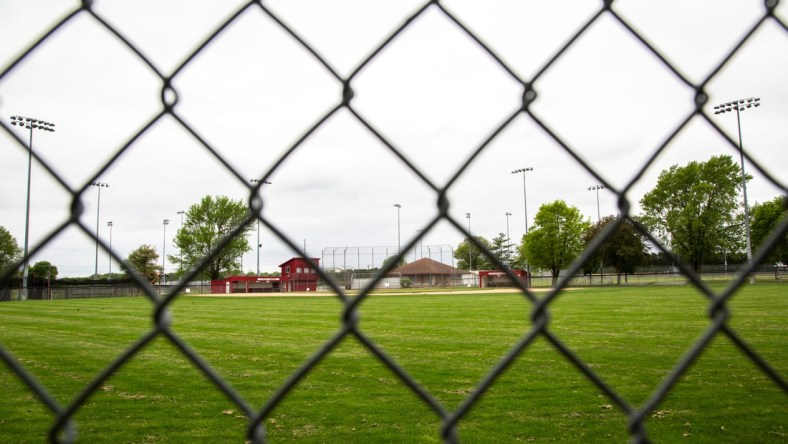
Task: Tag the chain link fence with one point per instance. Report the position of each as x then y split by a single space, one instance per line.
371 258
64 427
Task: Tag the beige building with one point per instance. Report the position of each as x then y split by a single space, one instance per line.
427 272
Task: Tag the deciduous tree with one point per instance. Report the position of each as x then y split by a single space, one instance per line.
145 261
43 271
207 224
694 208
765 218
391 259
470 257
9 250
623 250
556 238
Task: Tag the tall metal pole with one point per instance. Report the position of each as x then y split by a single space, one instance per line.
109 273
525 207
180 251
508 240
742 105
98 185
598 219
399 245
259 245
163 252
597 188
525 193
30 124
470 244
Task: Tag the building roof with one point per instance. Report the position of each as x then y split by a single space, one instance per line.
426 266
299 259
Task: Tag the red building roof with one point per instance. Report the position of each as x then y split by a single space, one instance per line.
299 260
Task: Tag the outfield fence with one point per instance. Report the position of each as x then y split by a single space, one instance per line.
352 280
63 424
360 258
90 289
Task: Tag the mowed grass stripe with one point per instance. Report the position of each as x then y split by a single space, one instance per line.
632 337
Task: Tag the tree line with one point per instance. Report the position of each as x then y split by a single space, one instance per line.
693 211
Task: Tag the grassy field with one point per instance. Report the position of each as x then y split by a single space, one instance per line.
632 337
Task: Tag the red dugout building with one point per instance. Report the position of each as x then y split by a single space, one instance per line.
497 278
297 274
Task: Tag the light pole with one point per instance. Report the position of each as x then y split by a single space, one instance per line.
99 186
163 254
180 251
31 124
525 198
470 244
739 106
598 218
525 207
597 188
421 245
507 227
399 247
109 273
259 245
508 239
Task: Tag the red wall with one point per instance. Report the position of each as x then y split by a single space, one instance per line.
484 274
293 280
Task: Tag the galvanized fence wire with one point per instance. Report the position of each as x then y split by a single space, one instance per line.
63 427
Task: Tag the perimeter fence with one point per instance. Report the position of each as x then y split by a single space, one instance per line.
63 426
369 258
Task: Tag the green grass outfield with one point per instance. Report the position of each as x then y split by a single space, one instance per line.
631 336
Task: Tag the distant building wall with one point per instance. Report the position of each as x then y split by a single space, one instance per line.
297 274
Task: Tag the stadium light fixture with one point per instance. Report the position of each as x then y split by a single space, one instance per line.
525 194
508 239
597 188
30 124
507 225
259 245
109 273
180 251
470 245
525 208
598 218
739 106
99 186
399 245
163 255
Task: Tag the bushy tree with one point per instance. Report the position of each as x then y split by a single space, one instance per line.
9 250
624 250
520 260
43 271
145 261
764 219
391 259
207 224
470 257
556 238
694 208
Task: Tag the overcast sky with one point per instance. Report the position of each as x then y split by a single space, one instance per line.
433 94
